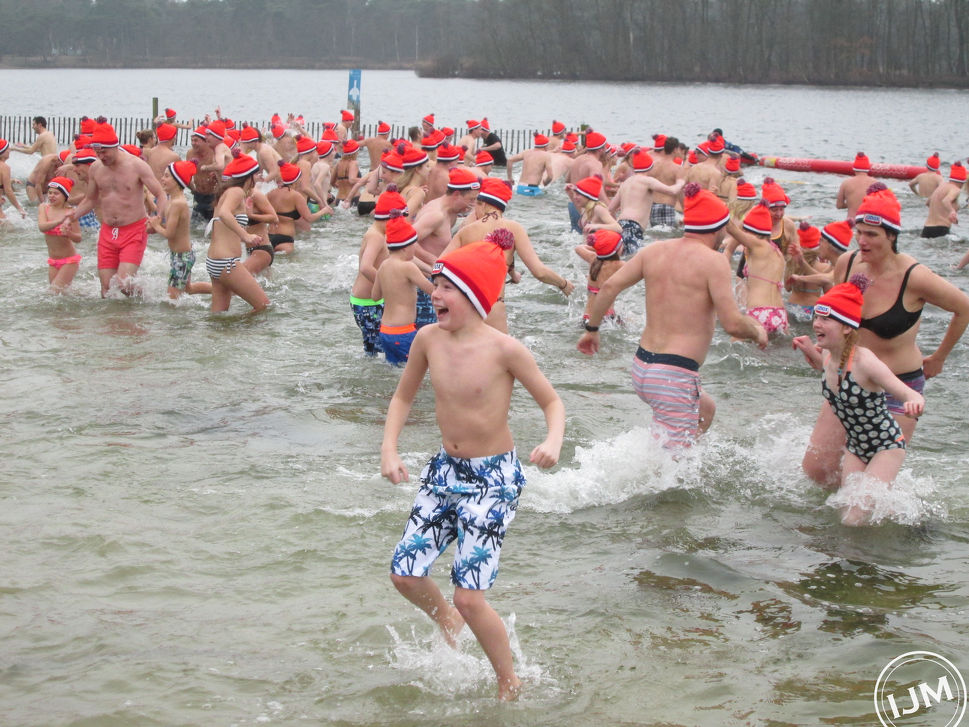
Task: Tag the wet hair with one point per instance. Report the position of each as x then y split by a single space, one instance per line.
671 145
145 135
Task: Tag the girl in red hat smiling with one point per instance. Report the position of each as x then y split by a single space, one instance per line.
854 385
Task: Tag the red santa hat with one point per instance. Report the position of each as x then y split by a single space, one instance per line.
758 220
659 142
843 302
590 187
732 165
881 208
774 193
472 124
413 157
839 234
606 243
642 161
957 173
249 135
132 149
483 159
170 114
182 172
862 163
241 166
104 135
558 127
933 162
478 270
808 235
389 201
400 232
429 119
716 146
289 173
216 128
350 146
449 153
541 141
432 141
166 132
568 147
393 161
594 140
324 149
346 115
496 192
304 145
703 211
461 178
64 185
383 128
83 156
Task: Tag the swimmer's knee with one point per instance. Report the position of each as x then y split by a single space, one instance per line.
466 600
404 584
708 409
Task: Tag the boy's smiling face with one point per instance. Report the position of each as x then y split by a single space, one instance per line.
451 305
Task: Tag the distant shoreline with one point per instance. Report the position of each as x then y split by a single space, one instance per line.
431 70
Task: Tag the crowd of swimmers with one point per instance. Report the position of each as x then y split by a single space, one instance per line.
439 250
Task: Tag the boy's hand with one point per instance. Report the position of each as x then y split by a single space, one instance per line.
545 455
393 468
589 343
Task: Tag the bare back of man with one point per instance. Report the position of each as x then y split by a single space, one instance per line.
585 165
852 191
159 157
536 166
634 199
666 171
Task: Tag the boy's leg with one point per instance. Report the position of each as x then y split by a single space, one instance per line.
490 632
424 593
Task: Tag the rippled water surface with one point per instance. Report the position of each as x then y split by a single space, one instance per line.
194 530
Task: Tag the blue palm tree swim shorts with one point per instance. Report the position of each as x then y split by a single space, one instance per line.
472 501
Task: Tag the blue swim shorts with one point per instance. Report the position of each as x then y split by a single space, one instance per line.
470 500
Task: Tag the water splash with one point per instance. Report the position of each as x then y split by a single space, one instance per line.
909 500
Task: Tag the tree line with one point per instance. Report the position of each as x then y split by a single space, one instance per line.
886 42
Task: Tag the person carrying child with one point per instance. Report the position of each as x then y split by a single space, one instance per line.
854 383
60 235
470 488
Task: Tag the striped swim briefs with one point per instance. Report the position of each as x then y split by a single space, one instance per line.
670 385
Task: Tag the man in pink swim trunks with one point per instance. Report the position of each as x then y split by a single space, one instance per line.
116 184
687 288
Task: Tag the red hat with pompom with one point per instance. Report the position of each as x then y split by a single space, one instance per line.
642 161
606 243
843 302
703 211
808 235
881 208
839 234
758 220
558 127
541 141
64 185
659 142
732 165
383 128
496 192
346 115
594 140
933 163
389 201
289 173
746 192
774 193
478 269
461 178
590 187
400 232
166 132
957 173
861 163
483 159
241 166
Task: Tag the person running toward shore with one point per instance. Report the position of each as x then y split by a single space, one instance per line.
397 283
116 185
470 489
854 382
176 229
536 167
852 191
60 233
944 204
900 289
687 288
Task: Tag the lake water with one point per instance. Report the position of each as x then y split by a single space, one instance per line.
195 531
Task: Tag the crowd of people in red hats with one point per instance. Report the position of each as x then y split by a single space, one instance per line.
440 249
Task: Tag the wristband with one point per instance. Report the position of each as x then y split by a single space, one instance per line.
591 329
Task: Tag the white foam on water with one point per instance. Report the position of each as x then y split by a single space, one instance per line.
910 500
612 471
446 671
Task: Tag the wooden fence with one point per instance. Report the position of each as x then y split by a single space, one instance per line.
18 129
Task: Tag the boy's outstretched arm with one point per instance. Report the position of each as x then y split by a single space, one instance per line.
523 367
391 466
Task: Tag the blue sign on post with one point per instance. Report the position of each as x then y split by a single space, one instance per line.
353 98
